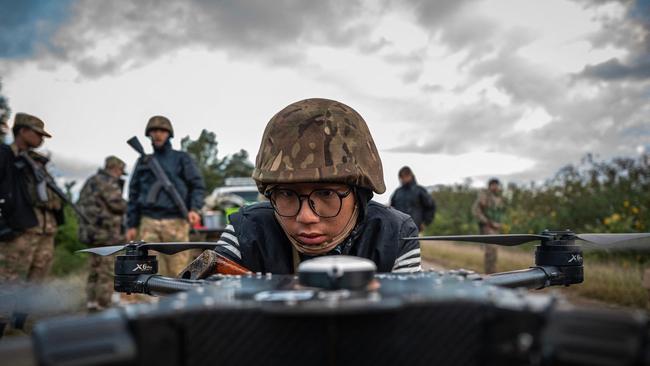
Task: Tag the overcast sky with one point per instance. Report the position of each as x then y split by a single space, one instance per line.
453 88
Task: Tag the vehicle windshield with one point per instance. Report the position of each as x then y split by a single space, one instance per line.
248 196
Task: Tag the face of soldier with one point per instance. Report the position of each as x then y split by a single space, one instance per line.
30 138
116 171
495 188
405 179
311 229
158 137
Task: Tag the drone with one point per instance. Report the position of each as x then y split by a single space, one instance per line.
336 310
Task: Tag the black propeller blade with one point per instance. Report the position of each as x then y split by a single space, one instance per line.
165 248
498 239
600 241
617 241
103 251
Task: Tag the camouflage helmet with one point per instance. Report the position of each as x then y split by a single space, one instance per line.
318 140
159 122
113 161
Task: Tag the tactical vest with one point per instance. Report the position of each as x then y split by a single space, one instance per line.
495 208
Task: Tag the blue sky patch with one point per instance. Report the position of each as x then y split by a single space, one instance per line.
27 23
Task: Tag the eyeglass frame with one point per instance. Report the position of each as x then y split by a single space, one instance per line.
302 197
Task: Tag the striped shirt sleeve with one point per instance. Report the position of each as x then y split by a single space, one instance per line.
228 244
408 258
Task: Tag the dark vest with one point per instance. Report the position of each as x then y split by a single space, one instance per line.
265 247
15 203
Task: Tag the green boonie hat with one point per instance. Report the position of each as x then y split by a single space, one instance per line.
318 140
159 122
33 122
112 161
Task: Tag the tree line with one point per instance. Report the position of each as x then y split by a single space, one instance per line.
598 196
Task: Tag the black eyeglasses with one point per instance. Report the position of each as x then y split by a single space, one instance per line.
325 203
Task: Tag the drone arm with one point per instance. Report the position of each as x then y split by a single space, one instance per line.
152 284
160 285
532 278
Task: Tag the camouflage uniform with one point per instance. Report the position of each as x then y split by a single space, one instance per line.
167 230
29 255
101 201
488 209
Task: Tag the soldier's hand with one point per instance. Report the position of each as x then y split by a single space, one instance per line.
131 233
194 218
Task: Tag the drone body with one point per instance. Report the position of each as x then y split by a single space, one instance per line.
333 313
337 311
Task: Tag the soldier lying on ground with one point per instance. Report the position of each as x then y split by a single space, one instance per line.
319 166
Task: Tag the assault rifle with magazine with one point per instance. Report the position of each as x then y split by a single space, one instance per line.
162 180
44 181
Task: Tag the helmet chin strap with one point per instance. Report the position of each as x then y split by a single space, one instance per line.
328 245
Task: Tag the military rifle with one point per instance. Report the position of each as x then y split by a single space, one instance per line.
162 180
45 180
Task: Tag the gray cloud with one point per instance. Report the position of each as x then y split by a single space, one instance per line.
614 69
71 168
374 46
433 14
600 122
278 32
142 31
479 126
631 33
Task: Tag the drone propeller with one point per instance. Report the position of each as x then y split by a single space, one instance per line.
499 239
601 241
164 248
103 251
617 241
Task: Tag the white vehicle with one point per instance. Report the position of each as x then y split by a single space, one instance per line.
237 193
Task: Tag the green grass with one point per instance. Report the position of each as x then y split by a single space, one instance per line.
614 282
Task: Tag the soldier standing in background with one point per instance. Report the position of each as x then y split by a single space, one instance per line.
102 203
488 209
153 211
413 199
28 217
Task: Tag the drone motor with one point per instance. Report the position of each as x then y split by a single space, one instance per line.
130 266
558 249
